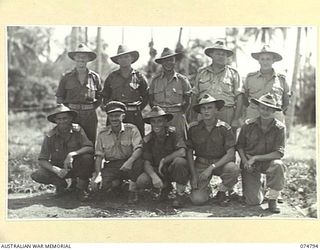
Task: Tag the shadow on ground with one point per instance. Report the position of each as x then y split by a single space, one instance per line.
110 206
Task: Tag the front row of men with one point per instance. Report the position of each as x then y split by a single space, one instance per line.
163 156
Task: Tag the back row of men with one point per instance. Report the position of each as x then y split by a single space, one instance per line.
167 155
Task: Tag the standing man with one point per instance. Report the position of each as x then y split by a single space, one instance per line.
164 155
221 82
266 80
120 146
128 86
171 91
66 152
80 90
212 142
261 146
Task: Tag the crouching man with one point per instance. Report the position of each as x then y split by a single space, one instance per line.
164 153
261 147
120 146
66 152
212 142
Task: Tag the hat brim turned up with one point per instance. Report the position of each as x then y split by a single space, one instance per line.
276 57
92 55
135 56
257 102
208 51
169 117
160 59
219 105
51 118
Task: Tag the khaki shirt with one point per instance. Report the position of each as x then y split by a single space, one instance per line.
169 93
224 85
210 145
155 148
70 90
55 147
118 147
256 86
254 141
127 90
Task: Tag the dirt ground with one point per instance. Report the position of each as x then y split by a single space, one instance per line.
46 206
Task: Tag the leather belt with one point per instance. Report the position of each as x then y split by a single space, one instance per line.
133 108
205 160
81 106
171 109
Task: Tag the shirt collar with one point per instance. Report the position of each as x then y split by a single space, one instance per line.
55 131
209 68
218 123
258 123
133 71
273 73
75 71
175 75
109 130
166 133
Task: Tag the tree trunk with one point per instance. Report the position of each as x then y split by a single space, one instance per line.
86 35
292 104
99 48
74 38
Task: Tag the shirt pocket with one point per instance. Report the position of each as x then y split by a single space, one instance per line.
71 84
205 83
73 145
158 95
227 86
176 95
252 138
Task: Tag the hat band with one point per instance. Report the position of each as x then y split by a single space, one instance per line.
81 106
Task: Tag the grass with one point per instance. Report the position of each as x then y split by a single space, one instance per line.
26 132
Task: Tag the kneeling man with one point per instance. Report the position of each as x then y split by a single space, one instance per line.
66 153
120 146
212 142
261 146
164 153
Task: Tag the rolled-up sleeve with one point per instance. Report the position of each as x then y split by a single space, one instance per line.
241 143
189 142
85 142
45 152
147 152
99 146
279 143
237 84
179 141
230 140
136 139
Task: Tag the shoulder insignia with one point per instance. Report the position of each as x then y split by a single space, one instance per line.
51 132
192 124
252 73
182 76
250 121
202 69
281 75
232 68
279 124
172 129
129 125
69 72
147 138
105 129
223 124
156 75
76 127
